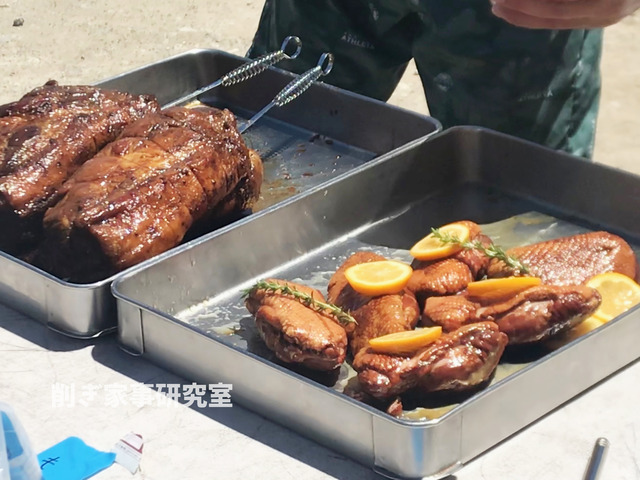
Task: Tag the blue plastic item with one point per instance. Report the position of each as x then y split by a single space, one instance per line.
72 459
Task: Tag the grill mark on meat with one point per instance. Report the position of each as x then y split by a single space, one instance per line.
44 137
140 195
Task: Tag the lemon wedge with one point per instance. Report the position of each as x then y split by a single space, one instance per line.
384 277
619 293
432 248
405 342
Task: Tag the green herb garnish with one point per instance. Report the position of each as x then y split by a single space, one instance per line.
491 251
304 298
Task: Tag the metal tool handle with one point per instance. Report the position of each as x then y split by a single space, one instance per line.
298 86
597 459
248 70
294 89
260 64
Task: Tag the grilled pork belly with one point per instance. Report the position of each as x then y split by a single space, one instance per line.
572 260
295 332
375 316
455 362
530 316
44 137
139 196
450 275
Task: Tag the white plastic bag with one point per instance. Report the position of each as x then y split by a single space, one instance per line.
17 460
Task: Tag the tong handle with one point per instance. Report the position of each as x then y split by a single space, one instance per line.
260 64
294 89
298 86
248 70
594 467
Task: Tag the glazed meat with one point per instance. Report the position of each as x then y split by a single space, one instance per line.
375 316
456 361
44 137
573 260
530 316
452 274
296 332
141 193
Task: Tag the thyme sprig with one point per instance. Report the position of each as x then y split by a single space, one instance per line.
491 251
304 298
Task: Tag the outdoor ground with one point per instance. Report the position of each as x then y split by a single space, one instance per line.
75 41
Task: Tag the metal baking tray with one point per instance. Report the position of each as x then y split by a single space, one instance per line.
325 132
184 312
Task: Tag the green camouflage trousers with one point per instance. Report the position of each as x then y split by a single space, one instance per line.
476 69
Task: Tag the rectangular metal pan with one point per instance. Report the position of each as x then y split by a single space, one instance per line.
182 310
325 132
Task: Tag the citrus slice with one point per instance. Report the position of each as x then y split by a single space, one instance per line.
405 342
619 293
501 287
384 277
432 248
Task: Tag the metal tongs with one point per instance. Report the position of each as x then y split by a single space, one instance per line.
248 70
596 460
294 89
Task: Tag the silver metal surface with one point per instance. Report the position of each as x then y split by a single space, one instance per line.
247 71
294 89
328 131
184 311
594 467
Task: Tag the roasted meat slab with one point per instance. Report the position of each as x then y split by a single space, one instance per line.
530 316
295 332
375 316
456 361
141 193
573 260
44 137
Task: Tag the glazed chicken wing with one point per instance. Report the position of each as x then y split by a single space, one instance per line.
530 316
295 332
456 361
375 316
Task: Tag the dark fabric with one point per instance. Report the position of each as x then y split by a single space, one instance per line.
476 69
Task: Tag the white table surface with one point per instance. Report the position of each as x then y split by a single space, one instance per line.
186 442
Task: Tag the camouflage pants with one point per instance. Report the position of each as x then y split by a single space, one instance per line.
540 85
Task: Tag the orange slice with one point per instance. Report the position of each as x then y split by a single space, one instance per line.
619 293
405 342
501 287
431 248
384 277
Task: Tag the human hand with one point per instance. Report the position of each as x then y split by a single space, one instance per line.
563 14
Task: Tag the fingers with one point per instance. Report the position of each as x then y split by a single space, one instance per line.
554 9
555 15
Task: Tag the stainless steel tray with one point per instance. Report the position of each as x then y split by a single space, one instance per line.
181 310
322 134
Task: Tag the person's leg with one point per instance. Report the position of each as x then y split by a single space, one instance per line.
371 47
539 85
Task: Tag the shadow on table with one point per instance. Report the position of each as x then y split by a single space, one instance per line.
237 418
37 333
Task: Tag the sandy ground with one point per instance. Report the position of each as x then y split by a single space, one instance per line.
76 41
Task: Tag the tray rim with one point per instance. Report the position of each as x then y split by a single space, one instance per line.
620 323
